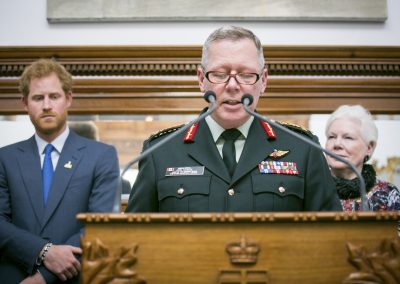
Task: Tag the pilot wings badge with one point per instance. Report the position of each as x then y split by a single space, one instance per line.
278 154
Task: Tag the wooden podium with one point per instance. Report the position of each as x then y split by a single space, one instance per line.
309 247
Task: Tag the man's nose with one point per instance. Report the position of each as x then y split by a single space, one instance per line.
47 103
232 81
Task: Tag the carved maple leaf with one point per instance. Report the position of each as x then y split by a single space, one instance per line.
379 266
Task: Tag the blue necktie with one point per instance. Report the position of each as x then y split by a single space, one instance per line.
47 171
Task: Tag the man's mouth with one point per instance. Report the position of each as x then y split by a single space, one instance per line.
47 116
232 102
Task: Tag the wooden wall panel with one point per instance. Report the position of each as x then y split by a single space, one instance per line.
182 96
162 79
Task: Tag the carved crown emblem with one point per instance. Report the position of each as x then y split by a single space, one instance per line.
243 251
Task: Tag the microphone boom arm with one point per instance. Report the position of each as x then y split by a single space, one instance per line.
364 203
166 139
209 96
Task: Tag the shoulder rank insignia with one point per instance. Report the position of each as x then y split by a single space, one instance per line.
278 154
164 132
190 133
268 130
297 128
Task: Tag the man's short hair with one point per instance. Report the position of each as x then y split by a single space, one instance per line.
232 33
42 68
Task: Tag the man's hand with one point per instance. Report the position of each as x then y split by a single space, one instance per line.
61 260
36 278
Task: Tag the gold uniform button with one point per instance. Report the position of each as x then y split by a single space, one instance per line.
231 192
180 191
281 189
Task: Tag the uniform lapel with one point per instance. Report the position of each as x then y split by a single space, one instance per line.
256 149
205 152
67 164
29 164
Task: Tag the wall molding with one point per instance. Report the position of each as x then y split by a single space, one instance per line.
183 60
161 79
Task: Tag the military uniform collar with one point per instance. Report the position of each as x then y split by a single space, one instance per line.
216 129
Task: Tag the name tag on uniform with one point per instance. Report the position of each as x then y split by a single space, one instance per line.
185 171
278 167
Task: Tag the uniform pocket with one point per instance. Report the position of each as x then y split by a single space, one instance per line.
184 194
278 192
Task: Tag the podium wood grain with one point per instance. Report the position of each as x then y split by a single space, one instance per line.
192 248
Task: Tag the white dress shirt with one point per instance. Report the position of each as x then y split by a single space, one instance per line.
216 131
58 145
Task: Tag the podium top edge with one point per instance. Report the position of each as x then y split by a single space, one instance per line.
238 217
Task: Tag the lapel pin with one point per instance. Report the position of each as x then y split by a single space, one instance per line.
278 154
68 165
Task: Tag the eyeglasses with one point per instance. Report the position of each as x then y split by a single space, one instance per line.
217 77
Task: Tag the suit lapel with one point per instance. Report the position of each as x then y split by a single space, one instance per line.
256 149
204 151
67 164
29 163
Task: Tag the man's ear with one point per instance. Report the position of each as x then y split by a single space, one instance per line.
201 77
24 101
264 78
68 96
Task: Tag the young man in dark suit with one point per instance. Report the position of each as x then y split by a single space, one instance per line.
46 180
232 162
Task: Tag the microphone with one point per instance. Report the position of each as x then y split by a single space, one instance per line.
210 97
248 99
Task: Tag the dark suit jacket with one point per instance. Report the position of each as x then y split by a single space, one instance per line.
311 190
88 185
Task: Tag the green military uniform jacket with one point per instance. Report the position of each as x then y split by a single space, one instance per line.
190 176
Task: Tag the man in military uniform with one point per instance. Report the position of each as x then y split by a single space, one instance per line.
231 161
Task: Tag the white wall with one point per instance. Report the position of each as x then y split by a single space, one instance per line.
23 22
14 131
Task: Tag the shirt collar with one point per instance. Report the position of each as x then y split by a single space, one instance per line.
216 129
57 143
